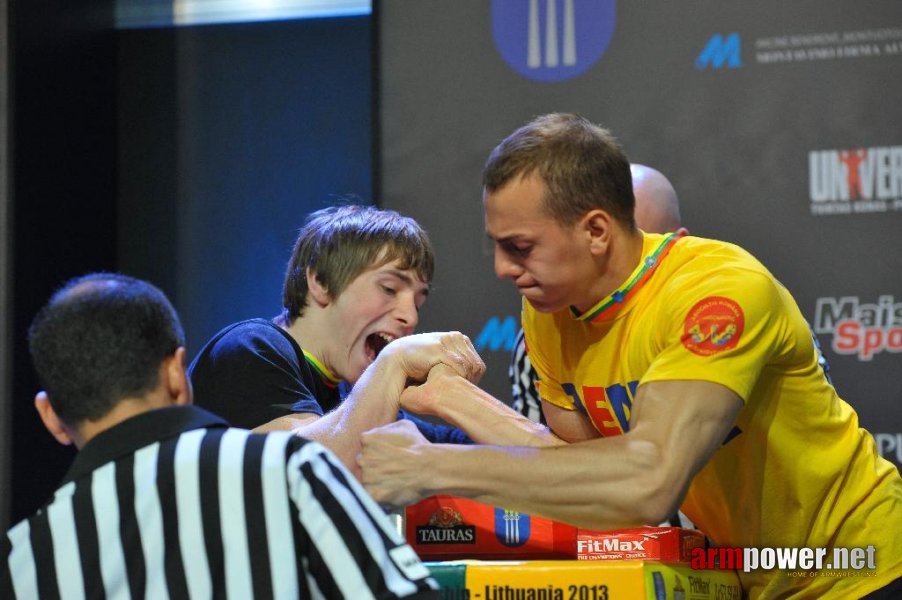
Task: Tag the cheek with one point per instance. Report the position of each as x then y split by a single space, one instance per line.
370 311
549 268
561 274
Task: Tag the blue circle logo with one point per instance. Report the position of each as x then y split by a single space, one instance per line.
552 40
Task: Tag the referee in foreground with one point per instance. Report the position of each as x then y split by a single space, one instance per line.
164 499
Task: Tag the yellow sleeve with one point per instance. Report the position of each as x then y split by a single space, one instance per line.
723 328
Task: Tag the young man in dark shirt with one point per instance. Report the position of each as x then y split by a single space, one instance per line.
353 287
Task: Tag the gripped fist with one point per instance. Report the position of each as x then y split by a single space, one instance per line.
442 385
390 465
417 354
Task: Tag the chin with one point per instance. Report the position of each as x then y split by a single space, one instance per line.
543 306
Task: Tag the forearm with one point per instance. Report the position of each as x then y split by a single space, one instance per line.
639 477
372 402
375 398
566 483
483 417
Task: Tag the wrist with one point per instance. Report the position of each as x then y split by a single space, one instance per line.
384 379
430 468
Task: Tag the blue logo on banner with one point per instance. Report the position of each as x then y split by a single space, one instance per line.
511 527
720 51
552 40
498 334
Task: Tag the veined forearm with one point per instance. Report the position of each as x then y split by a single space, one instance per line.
487 420
483 417
567 483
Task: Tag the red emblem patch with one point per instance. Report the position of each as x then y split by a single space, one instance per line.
445 517
713 325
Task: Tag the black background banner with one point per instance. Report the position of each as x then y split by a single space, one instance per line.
778 123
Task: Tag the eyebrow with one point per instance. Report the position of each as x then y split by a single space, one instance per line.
407 279
514 237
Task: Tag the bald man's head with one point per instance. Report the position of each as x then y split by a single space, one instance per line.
657 206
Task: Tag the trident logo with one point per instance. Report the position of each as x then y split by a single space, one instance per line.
534 59
511 527
544 40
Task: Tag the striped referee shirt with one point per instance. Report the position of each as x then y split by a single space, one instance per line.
173 503
523 378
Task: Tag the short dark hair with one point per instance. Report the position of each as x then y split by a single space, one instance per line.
581 164
341 242
100 339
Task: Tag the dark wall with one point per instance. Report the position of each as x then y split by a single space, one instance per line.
229 136
188 157
63 103
5 247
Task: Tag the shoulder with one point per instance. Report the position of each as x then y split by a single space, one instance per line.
712 281
252 336
702 267
252 329
698 252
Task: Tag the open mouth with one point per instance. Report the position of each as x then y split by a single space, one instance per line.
376 342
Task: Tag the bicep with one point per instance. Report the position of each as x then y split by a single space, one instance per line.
687 420
569 425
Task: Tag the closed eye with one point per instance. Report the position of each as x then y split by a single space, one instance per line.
521 250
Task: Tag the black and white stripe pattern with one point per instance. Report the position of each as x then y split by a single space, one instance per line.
523 383
217 513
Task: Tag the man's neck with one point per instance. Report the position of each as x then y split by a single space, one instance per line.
307 330
614 267
124 410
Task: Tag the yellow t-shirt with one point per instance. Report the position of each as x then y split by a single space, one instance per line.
796 471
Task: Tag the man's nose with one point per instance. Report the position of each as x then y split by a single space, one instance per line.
505 267
406 313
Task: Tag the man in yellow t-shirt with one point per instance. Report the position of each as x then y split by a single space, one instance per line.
657 210
674 372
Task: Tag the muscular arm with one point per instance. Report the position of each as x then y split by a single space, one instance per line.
374 400
636 478
480 415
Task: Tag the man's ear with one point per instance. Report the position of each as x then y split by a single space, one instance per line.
51 420
316 290
598 226
175 377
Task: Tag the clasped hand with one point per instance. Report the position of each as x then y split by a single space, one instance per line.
418 354
390 460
